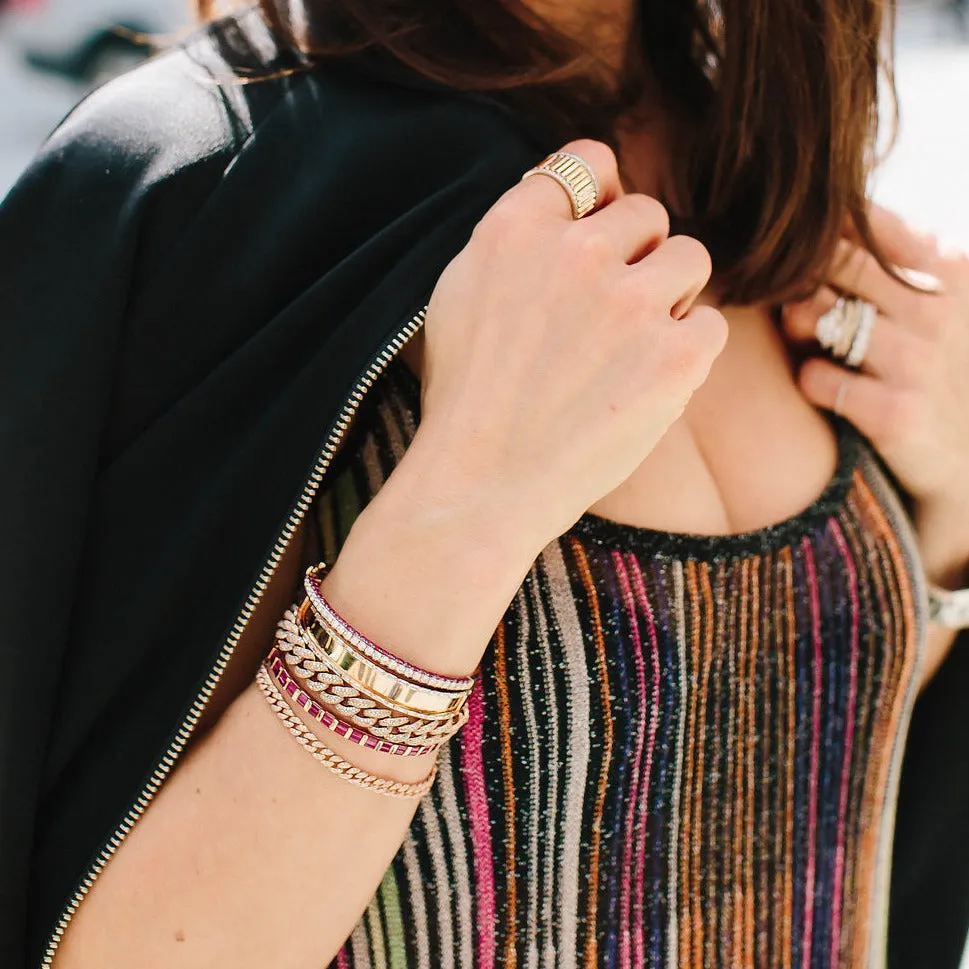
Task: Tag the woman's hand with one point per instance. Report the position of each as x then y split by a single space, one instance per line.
910 396
559 352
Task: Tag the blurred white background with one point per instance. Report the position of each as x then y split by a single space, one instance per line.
51 51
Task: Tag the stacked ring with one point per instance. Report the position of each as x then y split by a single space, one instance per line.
575 176
846 329
868 314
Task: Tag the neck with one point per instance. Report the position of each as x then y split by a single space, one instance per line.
606 29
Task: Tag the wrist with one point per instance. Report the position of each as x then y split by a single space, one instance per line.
430 566
462 494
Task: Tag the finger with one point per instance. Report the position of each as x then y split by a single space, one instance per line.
800 320
705 329
543 194
856 273
635 224
895 353
679 270
868 402
901 243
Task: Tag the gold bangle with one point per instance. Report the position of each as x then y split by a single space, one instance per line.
382 684
330 759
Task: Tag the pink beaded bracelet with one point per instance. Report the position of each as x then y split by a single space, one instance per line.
277 669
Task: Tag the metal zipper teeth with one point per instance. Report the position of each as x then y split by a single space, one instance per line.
181 738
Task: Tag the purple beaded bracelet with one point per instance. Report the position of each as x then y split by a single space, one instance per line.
277 669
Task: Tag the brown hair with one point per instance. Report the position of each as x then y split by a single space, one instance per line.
775 104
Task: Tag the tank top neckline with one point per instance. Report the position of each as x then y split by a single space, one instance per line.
683 546
651 542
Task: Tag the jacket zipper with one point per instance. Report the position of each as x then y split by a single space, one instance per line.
180 739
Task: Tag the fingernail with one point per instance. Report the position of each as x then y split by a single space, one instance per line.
921 280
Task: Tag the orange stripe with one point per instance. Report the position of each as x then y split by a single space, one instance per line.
719 898
507 776
766 953
591 948
749 746
738 635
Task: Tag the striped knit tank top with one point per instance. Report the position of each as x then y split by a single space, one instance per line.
682 752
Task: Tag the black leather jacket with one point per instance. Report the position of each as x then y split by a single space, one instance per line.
196 274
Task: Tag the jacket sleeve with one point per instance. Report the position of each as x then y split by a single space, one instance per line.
193 274
66 237
69 233
930 874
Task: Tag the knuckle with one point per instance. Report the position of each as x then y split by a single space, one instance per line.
629 300
503 217
594 247
935 317
681 358
687 355
852 263
899 415
652 212
596 154
919 361
710 325
695 257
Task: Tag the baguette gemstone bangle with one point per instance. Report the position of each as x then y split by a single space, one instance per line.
288 686
372 651
330 759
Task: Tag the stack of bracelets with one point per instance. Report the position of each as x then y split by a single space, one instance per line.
359 691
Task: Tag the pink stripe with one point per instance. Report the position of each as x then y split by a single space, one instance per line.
636 922
650 745
839 868
472 770
812 584
342 959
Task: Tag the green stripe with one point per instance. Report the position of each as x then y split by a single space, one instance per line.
393 920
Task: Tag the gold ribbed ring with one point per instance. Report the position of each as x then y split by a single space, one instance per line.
575 176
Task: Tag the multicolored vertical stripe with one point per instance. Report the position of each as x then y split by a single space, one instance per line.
683 751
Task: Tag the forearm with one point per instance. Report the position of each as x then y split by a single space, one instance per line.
253 854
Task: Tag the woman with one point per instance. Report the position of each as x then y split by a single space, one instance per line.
647 622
